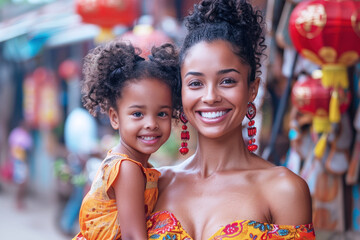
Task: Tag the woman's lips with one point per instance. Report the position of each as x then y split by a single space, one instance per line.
213 116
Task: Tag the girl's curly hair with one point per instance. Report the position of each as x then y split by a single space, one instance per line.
108 67
234 21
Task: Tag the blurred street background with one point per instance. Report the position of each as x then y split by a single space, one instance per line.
308 116
37 221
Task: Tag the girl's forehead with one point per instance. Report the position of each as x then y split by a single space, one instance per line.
147 83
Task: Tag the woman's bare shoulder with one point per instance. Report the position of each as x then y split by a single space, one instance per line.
288 196
170 173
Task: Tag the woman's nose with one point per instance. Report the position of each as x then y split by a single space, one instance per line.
211 95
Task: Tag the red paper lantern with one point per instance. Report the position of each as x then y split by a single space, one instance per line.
41 99
68 69
108 13
145 37
327 32
310 96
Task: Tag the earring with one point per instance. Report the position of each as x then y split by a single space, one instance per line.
185 136
251 128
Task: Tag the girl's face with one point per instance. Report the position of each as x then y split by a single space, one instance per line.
215 89
143 115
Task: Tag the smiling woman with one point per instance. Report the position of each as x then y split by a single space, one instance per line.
224 191
212 78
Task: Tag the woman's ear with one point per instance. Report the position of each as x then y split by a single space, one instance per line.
114 118
253 89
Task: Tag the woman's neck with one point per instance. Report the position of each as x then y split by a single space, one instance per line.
214 155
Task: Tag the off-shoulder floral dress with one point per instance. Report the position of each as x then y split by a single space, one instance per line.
164 226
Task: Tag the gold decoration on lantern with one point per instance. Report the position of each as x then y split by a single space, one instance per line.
89 5
355 22
328 54
311 56
349 58
119 4
311 21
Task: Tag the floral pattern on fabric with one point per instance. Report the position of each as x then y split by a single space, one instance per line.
164 226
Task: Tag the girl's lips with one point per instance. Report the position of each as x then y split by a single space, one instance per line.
149 139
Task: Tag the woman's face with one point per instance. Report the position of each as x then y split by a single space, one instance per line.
215 89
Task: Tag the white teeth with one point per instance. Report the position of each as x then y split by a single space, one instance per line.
212 114
148 138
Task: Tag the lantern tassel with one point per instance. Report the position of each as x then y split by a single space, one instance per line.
320 147
334 108
334 76
321 124
105 35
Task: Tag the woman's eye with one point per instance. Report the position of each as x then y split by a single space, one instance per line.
195 84
228 81
137 114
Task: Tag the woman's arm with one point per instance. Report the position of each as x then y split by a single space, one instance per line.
289 198
129 192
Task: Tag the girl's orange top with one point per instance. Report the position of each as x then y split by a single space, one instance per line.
98 213
164 225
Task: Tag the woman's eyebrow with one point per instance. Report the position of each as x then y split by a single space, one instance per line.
194 74
218 73
227 71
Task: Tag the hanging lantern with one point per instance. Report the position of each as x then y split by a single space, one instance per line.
41 105
68 69
108 13
311 97
144 36
327 32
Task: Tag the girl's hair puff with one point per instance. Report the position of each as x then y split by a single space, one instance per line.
234 21
107 68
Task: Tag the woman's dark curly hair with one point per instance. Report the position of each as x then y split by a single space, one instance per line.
234 21
108 67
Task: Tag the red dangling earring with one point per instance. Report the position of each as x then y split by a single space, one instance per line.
251 129
185 136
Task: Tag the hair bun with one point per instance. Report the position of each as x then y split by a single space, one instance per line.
234 12
166 55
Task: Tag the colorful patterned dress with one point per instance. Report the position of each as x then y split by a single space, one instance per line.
164 226
98 213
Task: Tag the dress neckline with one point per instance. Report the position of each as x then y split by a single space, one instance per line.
228 227
146 169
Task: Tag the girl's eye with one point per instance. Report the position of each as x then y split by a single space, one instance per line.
137 114
228 81
163 114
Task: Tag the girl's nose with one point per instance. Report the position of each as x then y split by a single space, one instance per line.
151 124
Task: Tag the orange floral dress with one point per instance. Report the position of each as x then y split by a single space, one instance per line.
164 225
98 213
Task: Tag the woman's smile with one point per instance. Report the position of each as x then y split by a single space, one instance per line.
215 89
213 116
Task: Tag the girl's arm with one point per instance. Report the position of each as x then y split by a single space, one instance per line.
129 192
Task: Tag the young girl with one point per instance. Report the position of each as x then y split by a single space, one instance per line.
140 99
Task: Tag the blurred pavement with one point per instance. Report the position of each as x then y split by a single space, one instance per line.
35 222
